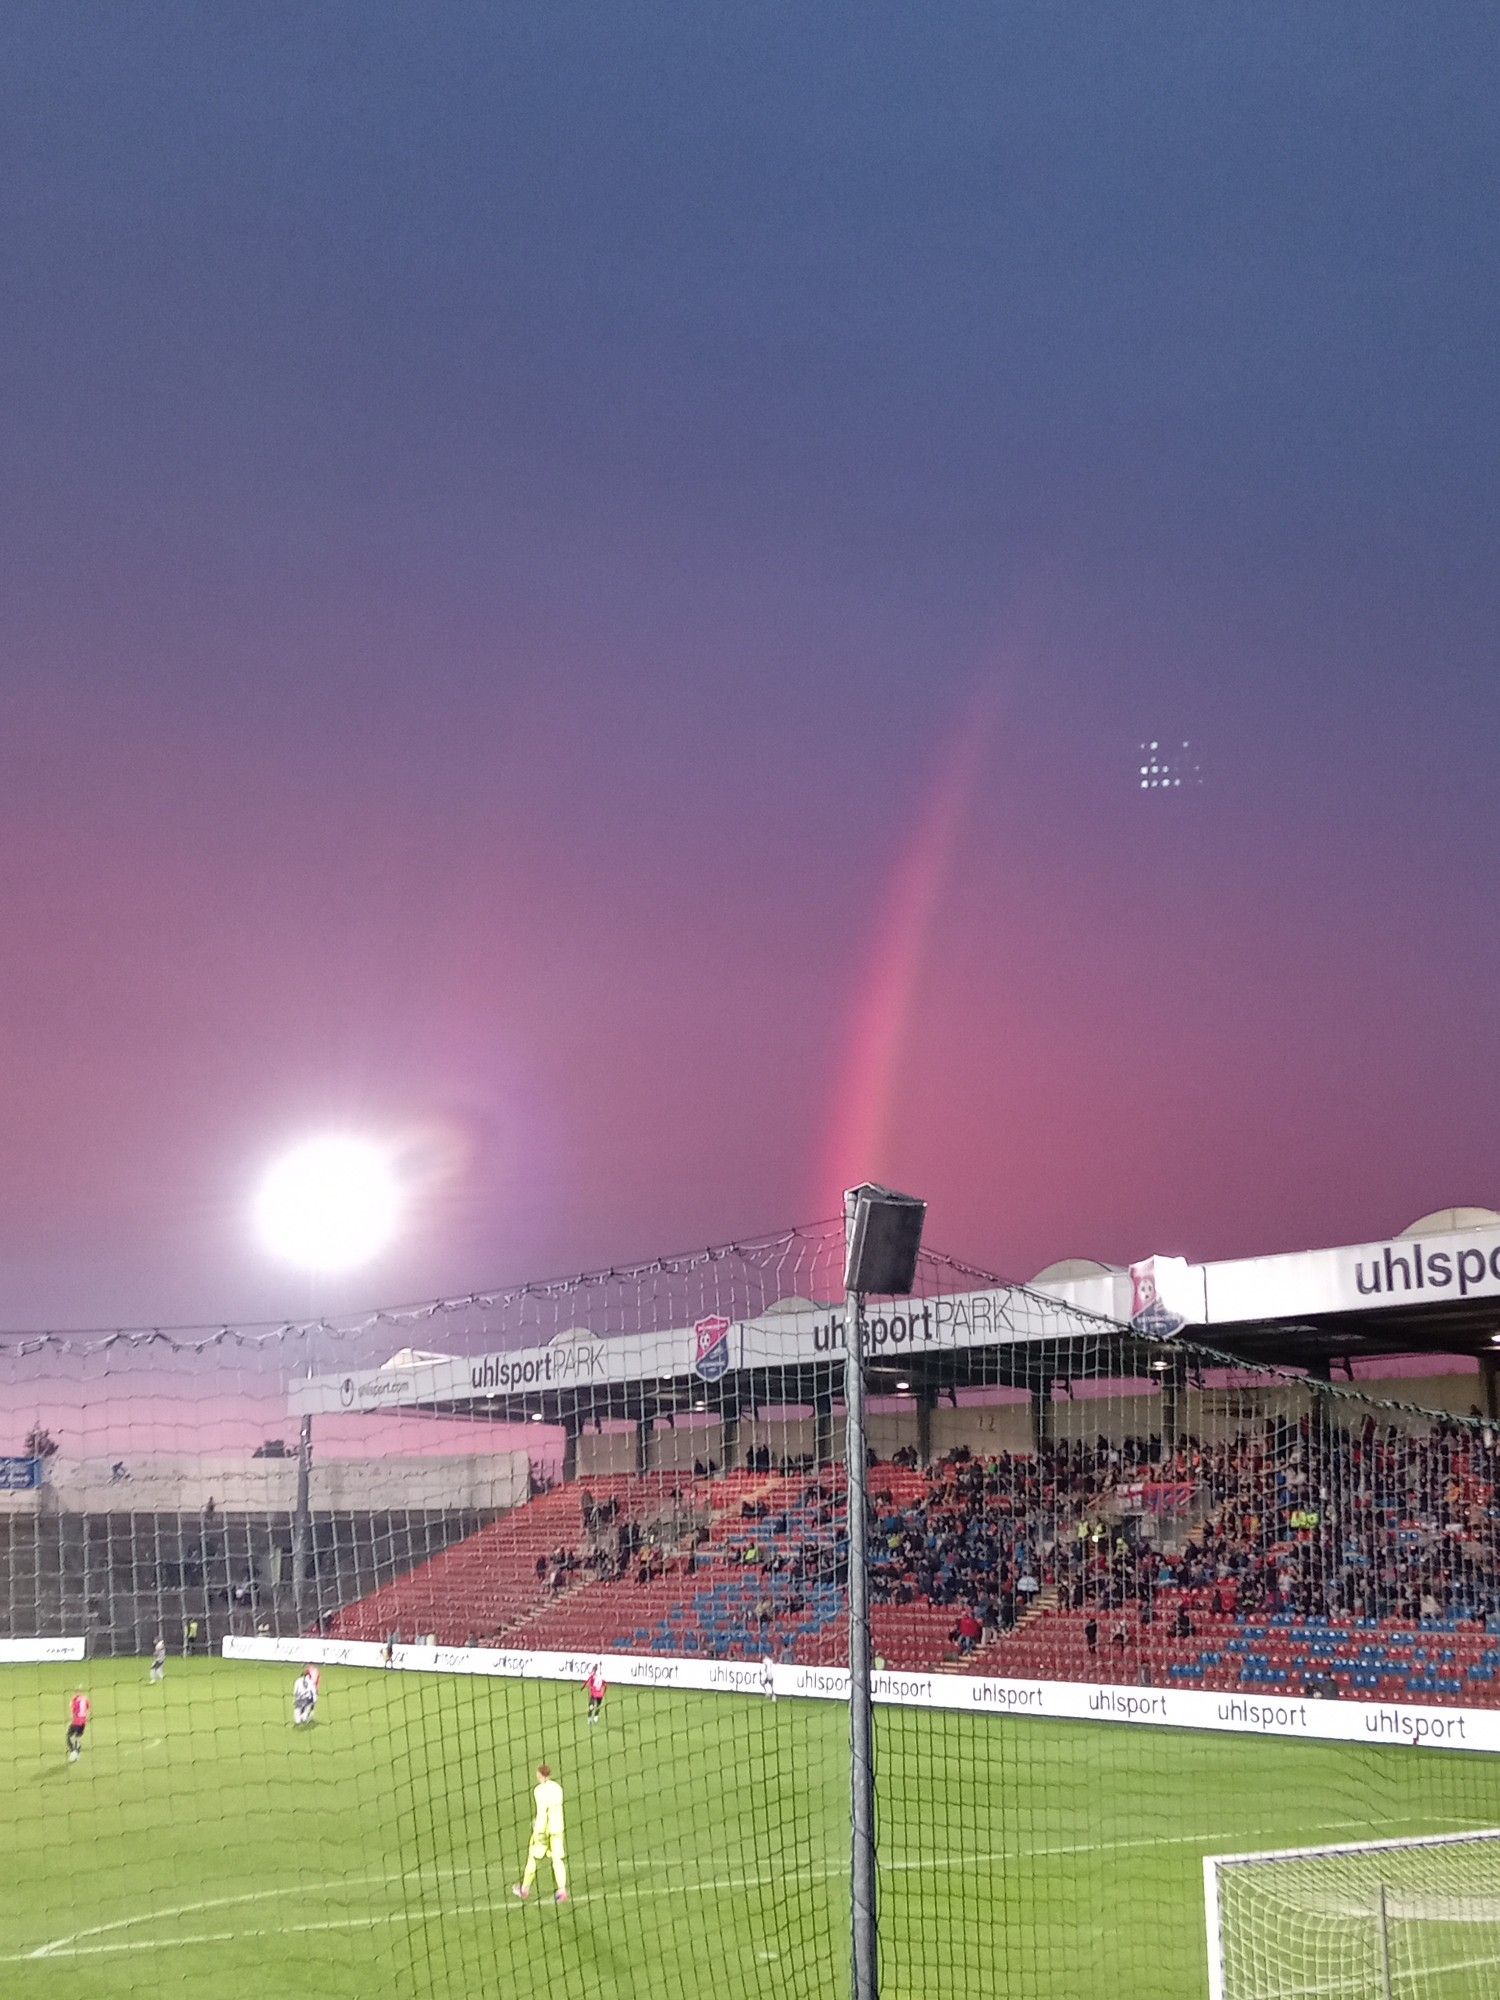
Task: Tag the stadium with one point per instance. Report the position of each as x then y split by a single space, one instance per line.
1180 1583
624 630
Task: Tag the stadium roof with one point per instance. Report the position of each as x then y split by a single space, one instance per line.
1433 1288
1430 1289
792 1352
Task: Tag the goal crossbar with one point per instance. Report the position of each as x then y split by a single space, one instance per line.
1274 1854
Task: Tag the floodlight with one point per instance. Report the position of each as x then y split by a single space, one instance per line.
330 1205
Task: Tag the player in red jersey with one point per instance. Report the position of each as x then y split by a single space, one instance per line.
79 1711
595 1686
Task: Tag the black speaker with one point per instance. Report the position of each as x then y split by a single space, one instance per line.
885 1235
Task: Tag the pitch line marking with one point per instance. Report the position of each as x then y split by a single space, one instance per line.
73 1946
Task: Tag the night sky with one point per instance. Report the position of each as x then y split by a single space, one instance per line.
580 587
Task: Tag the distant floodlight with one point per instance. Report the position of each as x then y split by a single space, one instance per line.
536 1417
330 1205
1168 770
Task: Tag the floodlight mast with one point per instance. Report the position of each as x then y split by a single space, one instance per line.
302 1506
882 1237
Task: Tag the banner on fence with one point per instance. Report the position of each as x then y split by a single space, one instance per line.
1058 1701
21 1652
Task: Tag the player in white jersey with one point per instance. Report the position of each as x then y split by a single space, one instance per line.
547 1842
159 1659
304 1699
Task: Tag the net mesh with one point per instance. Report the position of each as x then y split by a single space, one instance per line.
1396 1920
1279 1586
1131 1605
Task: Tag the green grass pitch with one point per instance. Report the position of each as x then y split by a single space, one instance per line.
202 1845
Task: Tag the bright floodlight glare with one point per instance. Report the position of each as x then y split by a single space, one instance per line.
330 1205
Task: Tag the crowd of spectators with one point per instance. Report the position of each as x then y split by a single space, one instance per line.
1384 1521
981 1537
1293 1516
801 1542
639 1548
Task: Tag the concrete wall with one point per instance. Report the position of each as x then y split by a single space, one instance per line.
166 1485
1457 1394
1130 1408
888 1431
486 1483
269 1485
791 1437
1001 1427
1113 1417
603 1452
678 1449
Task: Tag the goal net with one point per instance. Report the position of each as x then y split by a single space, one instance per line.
1415 1919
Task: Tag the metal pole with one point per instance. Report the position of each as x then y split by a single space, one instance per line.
1385 1948
302 1522
861 1714
302 1516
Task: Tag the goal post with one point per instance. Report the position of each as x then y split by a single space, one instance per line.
1412 1919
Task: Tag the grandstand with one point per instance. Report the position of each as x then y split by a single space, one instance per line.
1297 1558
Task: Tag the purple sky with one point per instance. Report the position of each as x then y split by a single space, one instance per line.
581 586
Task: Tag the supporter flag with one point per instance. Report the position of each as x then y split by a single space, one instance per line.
711 1350
1162 1295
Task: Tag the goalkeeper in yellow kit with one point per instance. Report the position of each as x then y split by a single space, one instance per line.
547 1842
